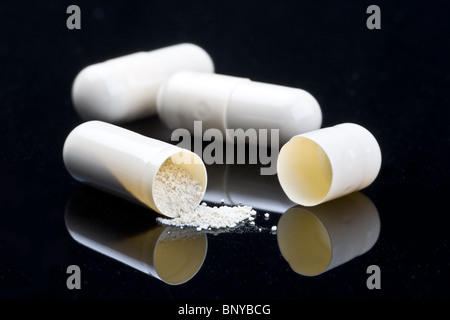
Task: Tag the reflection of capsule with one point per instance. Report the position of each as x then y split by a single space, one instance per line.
127 233
316 239
236 184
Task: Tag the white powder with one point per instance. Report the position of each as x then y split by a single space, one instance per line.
204 217
274 229
177 194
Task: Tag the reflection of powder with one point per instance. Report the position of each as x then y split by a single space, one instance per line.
178 195
175 192
178 234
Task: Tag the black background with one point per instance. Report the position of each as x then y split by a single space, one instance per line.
393 81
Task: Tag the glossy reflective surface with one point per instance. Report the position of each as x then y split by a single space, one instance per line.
393 81
315 240
100 222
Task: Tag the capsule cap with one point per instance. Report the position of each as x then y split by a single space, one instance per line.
328 163
260 105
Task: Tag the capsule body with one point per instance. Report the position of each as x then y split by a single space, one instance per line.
225 102
123 162
125 88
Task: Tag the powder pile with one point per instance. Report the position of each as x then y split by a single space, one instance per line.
177 193
205 217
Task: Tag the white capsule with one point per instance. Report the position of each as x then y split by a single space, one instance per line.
125 88
325 164
226 102
123 162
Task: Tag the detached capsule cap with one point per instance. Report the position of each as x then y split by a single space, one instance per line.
328 163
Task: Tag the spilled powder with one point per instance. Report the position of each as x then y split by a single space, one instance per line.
177 194
205 217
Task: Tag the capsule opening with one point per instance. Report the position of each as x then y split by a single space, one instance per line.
304 242
179 256
179 184
304 171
